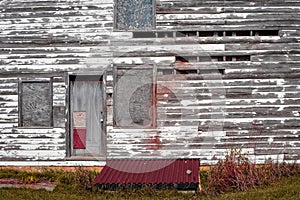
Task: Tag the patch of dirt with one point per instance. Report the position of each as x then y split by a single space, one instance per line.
11 182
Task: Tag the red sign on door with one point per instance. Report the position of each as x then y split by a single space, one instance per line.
79 130
79 138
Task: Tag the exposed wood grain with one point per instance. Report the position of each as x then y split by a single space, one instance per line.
253 103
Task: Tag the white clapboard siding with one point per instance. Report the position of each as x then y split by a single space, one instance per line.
249 100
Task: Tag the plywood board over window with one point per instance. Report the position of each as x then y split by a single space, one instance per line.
35 101
134 14
134 97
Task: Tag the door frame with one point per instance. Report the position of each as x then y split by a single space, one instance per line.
68 80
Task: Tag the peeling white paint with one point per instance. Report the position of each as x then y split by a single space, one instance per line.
296 113
270 140
94 26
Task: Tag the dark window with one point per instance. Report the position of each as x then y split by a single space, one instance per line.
144 35
186 71
243 33
164 34
35 104
186 34
266 33
243 58
134 14
134 97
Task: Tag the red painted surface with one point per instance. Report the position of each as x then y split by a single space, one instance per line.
79 138
131 172
154 142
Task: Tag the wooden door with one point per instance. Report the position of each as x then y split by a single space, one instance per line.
86 117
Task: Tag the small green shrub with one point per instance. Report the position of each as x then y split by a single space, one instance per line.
30 179
204 179
51 175
67 178
84 178
79 181
43 174
8 173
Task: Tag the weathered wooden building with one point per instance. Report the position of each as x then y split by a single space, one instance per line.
86 80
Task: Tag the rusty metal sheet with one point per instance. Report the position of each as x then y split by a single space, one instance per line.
174 172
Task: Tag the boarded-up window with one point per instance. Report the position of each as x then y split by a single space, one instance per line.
134 14
35 104
134 97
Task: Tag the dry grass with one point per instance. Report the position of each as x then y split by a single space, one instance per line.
233 178
237 173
